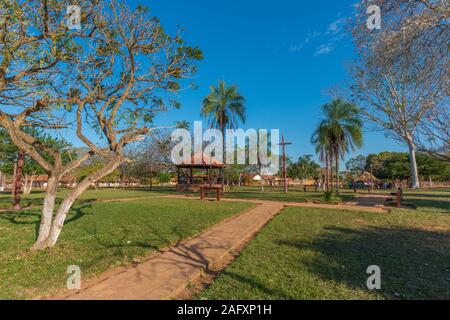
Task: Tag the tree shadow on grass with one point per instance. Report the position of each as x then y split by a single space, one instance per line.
78 211
154 242
440 205
426 195
253 283
415 263
34 218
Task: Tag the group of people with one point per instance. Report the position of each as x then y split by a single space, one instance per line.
378 185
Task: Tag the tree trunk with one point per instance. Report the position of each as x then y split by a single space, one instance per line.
68 201
25 184
2 187
18 181
327 182
151 180
28 184
47 213
223 159
414 173
262 180
337 171
330 159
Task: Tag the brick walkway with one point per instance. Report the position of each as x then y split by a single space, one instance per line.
167 274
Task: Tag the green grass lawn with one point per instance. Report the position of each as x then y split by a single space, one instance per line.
36 197
295 194
97 236
323 254
430 200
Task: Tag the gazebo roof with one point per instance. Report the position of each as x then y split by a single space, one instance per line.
367 177
201 161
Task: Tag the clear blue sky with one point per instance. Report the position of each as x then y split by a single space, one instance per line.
282 55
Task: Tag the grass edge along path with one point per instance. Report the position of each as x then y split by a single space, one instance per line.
97 237
167 274
307 253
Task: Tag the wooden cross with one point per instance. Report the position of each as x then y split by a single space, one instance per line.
284 144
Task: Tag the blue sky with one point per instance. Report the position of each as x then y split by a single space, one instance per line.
282 55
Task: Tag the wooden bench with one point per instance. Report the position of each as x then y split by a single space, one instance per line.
205 188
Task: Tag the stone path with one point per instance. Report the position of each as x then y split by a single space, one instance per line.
166 274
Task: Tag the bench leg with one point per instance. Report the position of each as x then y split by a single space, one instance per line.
202 194
218 195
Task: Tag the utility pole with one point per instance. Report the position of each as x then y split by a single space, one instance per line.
284 144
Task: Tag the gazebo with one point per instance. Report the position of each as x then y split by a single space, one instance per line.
200 170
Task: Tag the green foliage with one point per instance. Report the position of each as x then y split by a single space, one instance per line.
331 197
338 133
93 166
396 165
8 151
164 177
304 168
356 166
341 130
224 106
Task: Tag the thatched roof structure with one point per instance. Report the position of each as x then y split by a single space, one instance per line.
367 177
201 160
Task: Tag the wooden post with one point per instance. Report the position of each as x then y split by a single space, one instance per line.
202 193
18 181
218 194
222 174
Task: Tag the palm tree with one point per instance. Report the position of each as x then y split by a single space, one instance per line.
323 149
224 107
339 132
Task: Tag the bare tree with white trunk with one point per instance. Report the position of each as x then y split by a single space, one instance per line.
400 78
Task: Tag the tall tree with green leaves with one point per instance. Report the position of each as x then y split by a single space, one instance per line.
21 166
323 149
341 130
224 107
356 166
111 77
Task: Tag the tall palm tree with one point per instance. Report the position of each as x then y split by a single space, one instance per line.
224 107
341 131
323 149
